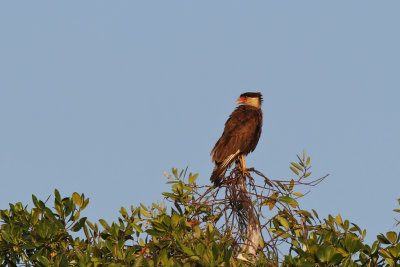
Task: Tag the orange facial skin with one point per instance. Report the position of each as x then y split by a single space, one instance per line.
243 99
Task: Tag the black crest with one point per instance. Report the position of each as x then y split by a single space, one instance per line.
253 94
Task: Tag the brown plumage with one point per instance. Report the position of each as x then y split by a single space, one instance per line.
240 137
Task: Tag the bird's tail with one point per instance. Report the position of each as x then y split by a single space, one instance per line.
218 173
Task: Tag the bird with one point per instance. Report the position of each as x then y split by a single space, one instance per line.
240 137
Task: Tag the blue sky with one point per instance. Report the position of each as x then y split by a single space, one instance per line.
101 97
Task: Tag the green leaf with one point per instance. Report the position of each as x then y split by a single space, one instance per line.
197 231
175 219
315 213
137 228
295 243
346 225
78 226
336 259
57 195
383 239
375 246
394 251
35 216
155 233
104 224
49 214
288 200
187 251
329 252
297 166
145 213
364 234
76 216
391 236
338 219
285 235
261 242
6 236
304 212
43 260
192 178
170 195
138 262
123 212
384 253
86 231
175 172
321 254
193 258
283 222
93 227
298 194
85 203
35 201
291 185
294 170
77 199
356 227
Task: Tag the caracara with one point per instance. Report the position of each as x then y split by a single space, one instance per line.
240 137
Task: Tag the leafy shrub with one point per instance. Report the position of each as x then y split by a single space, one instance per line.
191 231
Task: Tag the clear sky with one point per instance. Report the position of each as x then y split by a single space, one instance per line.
101 97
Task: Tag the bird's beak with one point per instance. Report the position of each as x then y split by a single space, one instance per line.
238 101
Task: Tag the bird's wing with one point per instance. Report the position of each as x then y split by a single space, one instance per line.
242 127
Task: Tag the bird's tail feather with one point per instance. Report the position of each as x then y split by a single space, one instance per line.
217 175
220 169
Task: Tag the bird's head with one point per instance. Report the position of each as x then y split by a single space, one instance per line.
250 98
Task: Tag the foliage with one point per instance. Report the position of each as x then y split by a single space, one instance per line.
195 229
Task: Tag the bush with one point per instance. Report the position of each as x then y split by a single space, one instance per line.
201 226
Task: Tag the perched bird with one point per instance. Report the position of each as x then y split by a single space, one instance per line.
240 137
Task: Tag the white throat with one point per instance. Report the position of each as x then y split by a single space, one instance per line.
253 101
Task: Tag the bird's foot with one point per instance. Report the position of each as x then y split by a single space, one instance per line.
243 166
